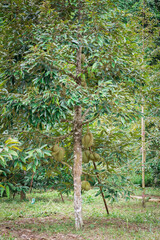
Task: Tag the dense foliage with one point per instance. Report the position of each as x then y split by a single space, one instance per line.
57 57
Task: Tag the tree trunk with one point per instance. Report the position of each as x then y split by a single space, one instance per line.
31 183
77 135
22 195
62 197
77 169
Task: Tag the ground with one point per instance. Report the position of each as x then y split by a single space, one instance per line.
49 218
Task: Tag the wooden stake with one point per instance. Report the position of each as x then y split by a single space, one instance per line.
143 156
105 204
142 119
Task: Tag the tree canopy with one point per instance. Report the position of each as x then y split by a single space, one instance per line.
71 67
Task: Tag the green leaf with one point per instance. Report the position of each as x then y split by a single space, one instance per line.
47 152
15 147
7 191
2 191
34 168
100 41
11 141
13 153
29 166
20 165
98 122
94 66
36 162
2 84
123 120
15 163
2 159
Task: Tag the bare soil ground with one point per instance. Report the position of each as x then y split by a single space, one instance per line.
19 231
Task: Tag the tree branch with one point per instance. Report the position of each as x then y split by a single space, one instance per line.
71 168
85 113
64 72
66 165
66 120
91 120
42 134
59 137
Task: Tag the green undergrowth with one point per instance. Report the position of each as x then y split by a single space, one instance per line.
137 179
49 215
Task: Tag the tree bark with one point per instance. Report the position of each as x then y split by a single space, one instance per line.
77 134
62 197
77 169
31 183
22 195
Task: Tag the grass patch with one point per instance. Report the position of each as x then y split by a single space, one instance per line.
49 217
148 190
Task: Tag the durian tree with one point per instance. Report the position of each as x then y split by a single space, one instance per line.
77 65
